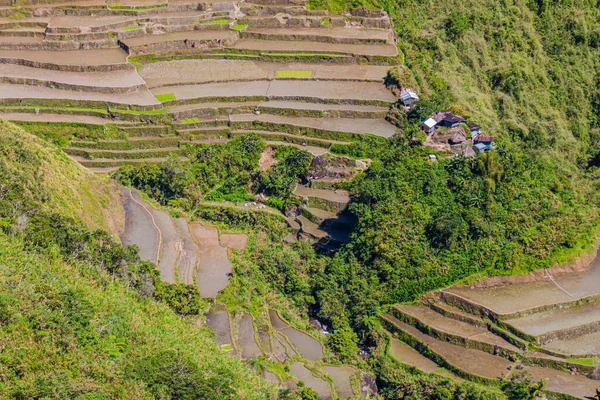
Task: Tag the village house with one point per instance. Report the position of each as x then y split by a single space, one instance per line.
475 130
450 120
428 126
408 98
486 141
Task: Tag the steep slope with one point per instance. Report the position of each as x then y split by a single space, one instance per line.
526 70
73 332
51 180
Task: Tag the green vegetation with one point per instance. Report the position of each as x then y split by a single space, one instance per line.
190 120
73 297
132 28
165 97
220 21
295 74
338 6
584 361
239 27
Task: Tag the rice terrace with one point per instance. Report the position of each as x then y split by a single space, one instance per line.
299 199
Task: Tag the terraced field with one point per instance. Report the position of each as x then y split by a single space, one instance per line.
551 326
167 73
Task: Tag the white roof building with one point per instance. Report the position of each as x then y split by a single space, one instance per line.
430 123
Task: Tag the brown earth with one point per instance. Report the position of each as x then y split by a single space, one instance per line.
387 50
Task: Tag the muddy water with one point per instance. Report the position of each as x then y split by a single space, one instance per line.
188 253
170 244
139 227
218 320
236 241
214 266
246 340
308 347
341 378
281 349
271 377
319 385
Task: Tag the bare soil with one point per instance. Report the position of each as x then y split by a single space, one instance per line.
339 196
138 97
309 347
338 90
70 57
116 79
407 355
366 34
473 361
178 36
315 151
84 119
582 345
267 159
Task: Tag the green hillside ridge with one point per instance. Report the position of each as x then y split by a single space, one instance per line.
53 182
72 332
81 317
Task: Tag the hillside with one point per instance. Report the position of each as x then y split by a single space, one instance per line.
72 332
72 327
525 70
37 177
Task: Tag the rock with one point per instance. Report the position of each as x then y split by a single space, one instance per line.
520 366
596 374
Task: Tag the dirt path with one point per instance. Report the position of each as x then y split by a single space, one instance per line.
140 228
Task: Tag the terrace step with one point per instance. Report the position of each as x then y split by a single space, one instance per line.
322 234
69 60
479 365
328 218
338 128
131 143
109 162
287 47
407 355
327 92
321 35
104 82
330 200
427 320
291 139
136 154
521 299
565 323
581 346
315 151
30 32
178 41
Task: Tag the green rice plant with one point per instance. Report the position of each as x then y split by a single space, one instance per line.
294 74
132 28
165 97
220 21
325 21
584 361
190 120
239 27
115 4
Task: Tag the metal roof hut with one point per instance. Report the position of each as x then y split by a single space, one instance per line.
409 97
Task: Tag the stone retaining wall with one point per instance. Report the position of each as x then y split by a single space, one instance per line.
311 38
70 86
68 67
